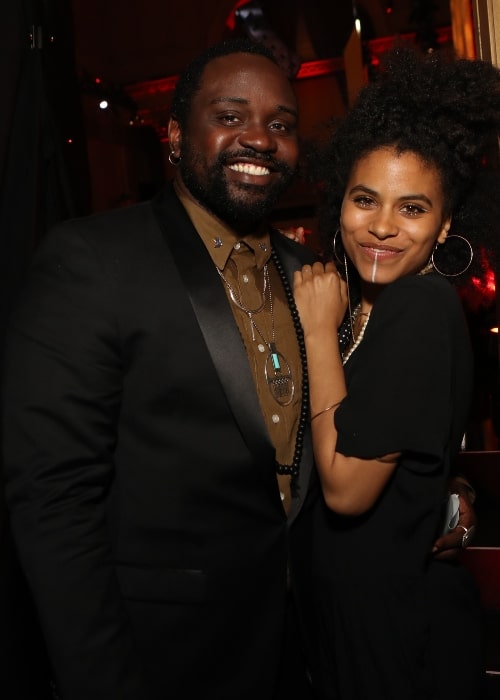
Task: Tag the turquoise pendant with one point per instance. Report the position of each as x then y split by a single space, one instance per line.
279 377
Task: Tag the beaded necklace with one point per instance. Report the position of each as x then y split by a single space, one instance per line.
361 333
293 469
346 330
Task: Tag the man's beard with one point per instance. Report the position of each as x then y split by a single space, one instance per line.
213 192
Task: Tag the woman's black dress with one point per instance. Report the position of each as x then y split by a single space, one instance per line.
386 620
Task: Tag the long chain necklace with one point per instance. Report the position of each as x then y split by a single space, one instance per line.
236 295
294 468
277 370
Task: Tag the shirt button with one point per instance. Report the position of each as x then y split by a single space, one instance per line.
275 418
237 246
261 348
245 279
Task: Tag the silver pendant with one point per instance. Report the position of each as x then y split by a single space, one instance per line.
279 377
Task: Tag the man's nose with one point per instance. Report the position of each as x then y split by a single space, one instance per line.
259 137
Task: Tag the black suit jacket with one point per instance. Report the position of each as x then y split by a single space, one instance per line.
140 475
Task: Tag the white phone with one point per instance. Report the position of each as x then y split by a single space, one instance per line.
451 514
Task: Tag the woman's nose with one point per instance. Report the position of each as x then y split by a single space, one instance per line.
383 226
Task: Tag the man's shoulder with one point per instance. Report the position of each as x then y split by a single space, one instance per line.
105 222
131 220
292 250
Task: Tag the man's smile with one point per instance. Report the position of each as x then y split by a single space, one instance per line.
249 169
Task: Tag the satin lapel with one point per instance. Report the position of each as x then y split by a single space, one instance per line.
292 258
216 321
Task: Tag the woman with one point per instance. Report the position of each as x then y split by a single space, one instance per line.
389 407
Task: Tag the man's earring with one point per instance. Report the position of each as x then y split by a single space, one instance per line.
173 160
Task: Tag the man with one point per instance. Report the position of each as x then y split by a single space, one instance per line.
155 413
147 503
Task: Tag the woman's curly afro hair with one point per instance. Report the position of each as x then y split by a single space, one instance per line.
445 110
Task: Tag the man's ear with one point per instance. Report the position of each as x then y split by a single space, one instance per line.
174 137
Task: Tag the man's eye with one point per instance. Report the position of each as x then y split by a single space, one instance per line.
280 126
229 118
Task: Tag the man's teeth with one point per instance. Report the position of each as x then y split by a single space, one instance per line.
249 169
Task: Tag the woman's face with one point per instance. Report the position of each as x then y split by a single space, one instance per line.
392 215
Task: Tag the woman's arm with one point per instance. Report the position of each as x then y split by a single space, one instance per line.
350 485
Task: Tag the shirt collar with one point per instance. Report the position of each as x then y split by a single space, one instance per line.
219 238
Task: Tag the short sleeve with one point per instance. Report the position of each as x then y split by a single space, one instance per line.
400 377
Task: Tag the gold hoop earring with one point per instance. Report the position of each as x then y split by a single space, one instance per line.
173 160
454 254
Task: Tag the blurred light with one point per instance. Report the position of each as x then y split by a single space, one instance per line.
103 104
490 281
231 20
487 285
69 140
357 25
97 81
494 329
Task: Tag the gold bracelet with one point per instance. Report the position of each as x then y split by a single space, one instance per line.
325 410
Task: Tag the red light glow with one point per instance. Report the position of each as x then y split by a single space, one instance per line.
479 292
486 285
231 20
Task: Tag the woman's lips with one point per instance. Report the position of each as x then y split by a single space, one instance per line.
379 252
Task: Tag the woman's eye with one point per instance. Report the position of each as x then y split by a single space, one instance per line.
412 209
363 201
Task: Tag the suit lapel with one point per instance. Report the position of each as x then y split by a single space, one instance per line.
216 321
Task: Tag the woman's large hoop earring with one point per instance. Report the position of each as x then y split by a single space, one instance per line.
346 330
339 258
173 160
453 274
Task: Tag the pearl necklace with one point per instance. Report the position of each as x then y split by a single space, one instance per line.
360 334
346 330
